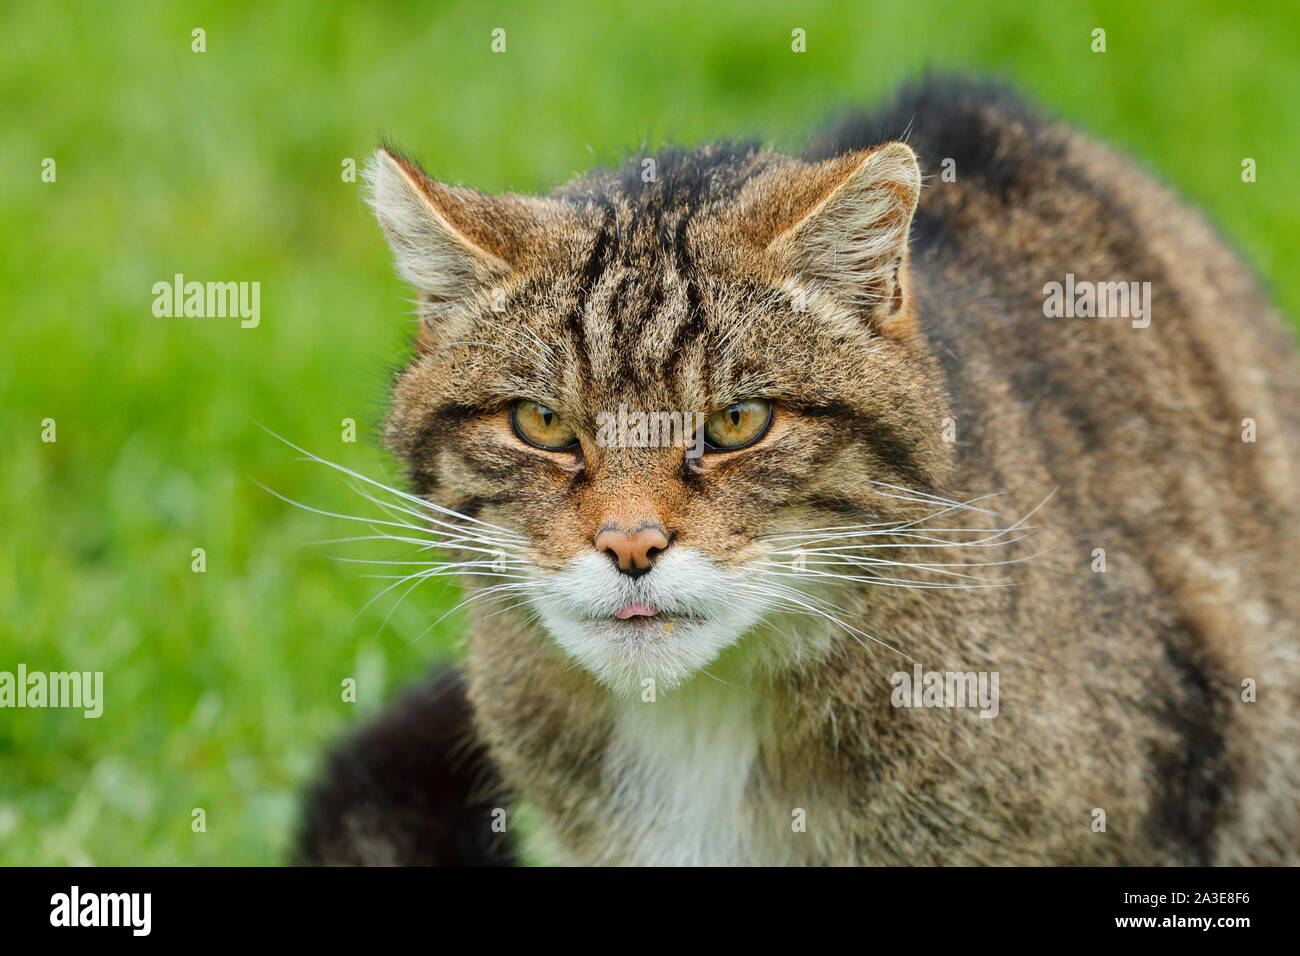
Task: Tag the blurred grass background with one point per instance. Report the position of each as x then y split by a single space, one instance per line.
223 687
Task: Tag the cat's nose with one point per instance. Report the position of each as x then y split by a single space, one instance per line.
635 551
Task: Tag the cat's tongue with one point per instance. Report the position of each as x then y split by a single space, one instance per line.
635 610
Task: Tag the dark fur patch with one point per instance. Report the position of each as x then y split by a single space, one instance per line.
413 788
1195 776
890 445
965 119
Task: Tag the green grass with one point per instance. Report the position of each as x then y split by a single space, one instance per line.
222 687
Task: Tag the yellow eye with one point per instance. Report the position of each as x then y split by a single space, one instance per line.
739 425
538 425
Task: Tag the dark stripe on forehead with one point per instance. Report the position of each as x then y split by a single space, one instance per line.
614 305
654 302
693 321
682 260
588 278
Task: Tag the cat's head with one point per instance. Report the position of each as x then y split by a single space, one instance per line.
641 390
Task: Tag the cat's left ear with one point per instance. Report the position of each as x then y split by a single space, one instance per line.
852 219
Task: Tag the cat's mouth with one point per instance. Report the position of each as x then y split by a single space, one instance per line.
663 626
634 610
639 616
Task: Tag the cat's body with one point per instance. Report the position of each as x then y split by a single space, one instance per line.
1160 577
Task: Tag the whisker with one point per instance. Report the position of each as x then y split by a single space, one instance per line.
428 564
890 582
924 497
425 544
421 502
894 525
370 522
849 629
873 547
477 596
467 533
875 563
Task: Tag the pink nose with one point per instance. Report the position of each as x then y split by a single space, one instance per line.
634 552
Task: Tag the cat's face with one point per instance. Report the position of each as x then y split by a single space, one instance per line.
637 396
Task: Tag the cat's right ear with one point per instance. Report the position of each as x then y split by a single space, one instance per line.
448 241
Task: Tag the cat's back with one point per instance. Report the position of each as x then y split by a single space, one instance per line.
1100 340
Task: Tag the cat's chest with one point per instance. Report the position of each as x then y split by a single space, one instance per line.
685 779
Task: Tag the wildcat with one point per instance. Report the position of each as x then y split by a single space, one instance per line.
908 467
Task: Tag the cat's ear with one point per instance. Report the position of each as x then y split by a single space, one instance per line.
852 216
448 241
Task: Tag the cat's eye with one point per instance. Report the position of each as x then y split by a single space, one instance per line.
738 425
541 427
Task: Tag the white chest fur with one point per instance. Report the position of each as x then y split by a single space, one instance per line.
684 765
